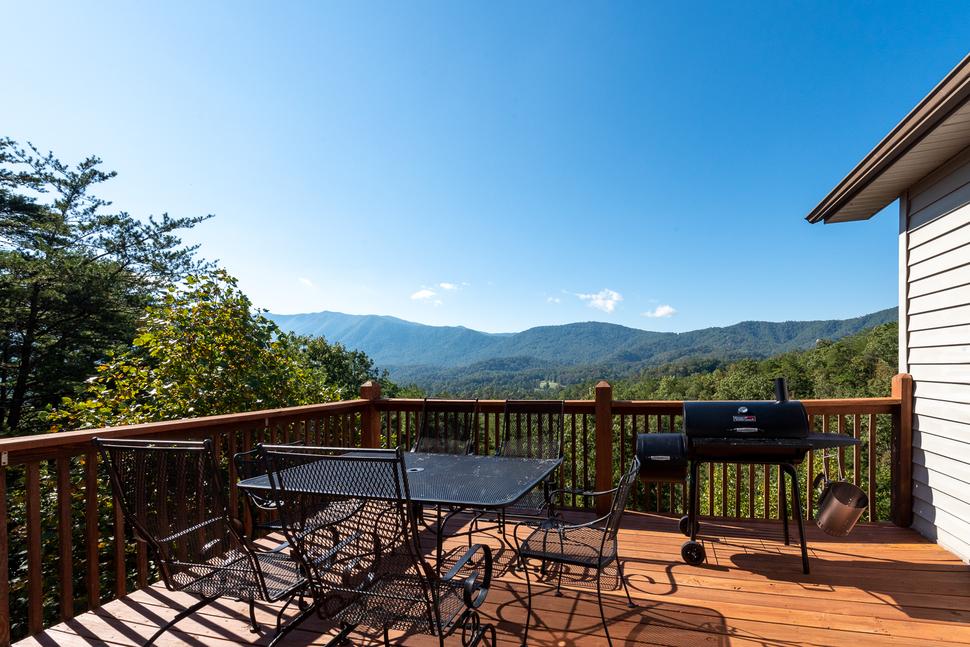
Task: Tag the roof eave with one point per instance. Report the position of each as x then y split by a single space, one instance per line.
948 95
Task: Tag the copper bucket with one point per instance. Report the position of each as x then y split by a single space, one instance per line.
840 504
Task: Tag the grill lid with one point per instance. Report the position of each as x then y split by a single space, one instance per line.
755 419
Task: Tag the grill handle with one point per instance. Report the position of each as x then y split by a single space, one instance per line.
781 389
746 430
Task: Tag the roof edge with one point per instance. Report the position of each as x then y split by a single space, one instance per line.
948 95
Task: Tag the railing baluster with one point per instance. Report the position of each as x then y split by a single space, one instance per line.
121 585
64 541
4 564
233 477
857 450
35 577
710 489
92 532
750 471
809 473
767 489
873 434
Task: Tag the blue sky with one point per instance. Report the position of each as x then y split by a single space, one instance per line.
495 165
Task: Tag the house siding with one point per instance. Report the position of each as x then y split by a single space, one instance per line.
935 348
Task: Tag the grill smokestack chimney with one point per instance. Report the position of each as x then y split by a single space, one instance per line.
781 389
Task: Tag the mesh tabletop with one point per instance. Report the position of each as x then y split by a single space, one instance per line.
443 479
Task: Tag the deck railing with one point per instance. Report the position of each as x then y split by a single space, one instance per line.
65 547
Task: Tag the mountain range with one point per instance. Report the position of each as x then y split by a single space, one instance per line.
459 358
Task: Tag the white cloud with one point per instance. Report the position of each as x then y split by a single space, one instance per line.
553 300
447 286
605 300
661 312
305 281
423 294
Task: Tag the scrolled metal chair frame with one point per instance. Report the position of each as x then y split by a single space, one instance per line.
351 522
171 494
542 542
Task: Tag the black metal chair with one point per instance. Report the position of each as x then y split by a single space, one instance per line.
249 465
591 546
365 566
534 429
447 427
171 495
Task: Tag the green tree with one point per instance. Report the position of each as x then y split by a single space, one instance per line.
202 350
340 367
74 276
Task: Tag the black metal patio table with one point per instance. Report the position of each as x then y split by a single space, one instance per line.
458 482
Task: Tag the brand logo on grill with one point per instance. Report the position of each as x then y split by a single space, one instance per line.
742 409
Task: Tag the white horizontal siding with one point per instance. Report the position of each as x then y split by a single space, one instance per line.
956 373
958 546
932 230
935 347
950 467
941 300
951 429
939 355
945 261
940 318
942 391
943 281
937 246
949 336
943 410
937 444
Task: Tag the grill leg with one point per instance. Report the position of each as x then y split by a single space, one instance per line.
797 504
783 502
693 504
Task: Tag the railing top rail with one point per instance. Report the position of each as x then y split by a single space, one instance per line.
484 406
56 441
38 446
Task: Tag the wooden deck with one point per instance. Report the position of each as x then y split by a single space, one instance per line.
882 585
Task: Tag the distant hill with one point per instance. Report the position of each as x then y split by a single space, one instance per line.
435 356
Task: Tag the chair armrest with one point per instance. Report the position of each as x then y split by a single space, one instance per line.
474 591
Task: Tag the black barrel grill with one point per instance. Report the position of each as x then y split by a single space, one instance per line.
772 432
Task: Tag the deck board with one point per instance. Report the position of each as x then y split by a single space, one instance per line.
880 586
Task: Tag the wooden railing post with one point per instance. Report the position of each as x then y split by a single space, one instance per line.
604 444
370 417
902 451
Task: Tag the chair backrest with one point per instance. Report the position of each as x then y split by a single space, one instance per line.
349 518
620 497
171 494
251 464
447 427
533 428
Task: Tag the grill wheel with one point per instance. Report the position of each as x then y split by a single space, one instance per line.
693 552
685 528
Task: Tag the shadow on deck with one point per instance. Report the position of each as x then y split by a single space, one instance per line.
881 585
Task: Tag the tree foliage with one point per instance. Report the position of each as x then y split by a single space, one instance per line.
74 277
203 350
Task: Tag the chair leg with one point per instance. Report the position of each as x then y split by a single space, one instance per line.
387 638
282 632
181 614
599 600
253 626
629 601
562 551
528 601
